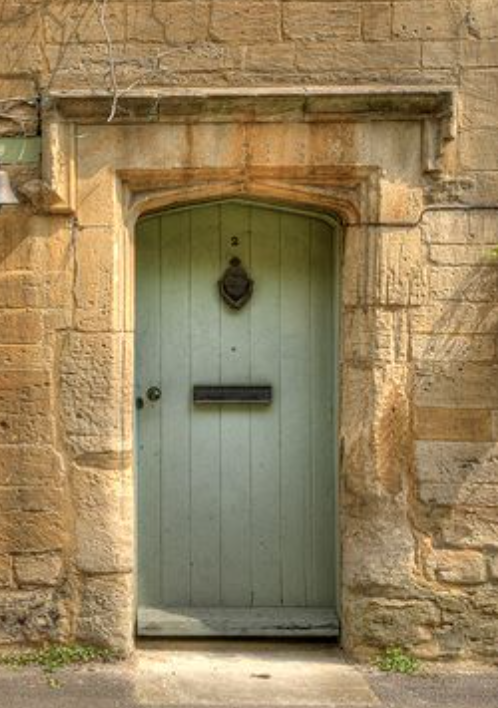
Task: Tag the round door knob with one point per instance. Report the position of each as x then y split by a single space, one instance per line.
154 393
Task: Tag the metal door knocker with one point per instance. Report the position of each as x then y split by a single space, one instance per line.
235 285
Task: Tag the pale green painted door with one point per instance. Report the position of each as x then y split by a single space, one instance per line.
237 503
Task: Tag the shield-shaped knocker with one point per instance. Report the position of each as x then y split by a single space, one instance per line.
235 285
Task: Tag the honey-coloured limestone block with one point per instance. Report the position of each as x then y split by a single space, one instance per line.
375 335
376 19
23 356
458 424
464 318
478 149
453 474
6 572
44 569
470 528
360 247
96 289
30 466
90 364
483 14
315 21
430 19
463 283
20 290
35 498
448 462
402 269
458 567
358 56
493 567
175 23
450 347
465 52
479 86
456 384
380 622
33 616
106 615
400 202
457 255
245 22
72 22
441 226
367 561
104 522
33 532
21 326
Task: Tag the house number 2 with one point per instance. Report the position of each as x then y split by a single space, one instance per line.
234 241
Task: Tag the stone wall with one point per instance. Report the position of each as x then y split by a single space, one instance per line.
419 376
420 545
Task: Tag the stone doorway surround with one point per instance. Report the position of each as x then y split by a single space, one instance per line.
366 155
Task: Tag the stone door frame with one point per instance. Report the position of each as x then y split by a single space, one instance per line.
104 192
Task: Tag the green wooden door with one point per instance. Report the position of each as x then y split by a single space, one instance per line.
236 520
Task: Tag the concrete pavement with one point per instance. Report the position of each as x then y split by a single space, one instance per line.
249 675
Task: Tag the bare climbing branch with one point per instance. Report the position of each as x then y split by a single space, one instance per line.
101 9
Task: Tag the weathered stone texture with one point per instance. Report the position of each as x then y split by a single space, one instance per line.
459 385
419 363
454 424
106 611
458 473
458 567
104 522
321 20
493 567
430 19
43 569
6 575
376 21
173 23
95 391
245 22
385 622
403 278
365 542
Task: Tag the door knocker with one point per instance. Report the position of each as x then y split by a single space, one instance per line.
235 285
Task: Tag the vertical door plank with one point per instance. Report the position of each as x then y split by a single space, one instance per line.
295 406
175 433
322 397
265 421
235 425
148 419
206 369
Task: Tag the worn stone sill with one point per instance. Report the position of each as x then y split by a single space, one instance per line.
257 104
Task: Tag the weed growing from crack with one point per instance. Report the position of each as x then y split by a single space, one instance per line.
395 660
53 657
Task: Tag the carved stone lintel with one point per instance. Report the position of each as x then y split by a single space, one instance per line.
349 191
434 108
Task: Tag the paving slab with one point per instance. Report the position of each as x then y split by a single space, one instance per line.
249 675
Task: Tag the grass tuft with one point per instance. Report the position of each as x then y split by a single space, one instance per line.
53 657
395 660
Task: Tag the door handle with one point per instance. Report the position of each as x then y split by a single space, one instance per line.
154 393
